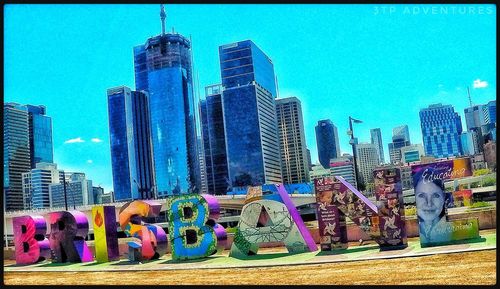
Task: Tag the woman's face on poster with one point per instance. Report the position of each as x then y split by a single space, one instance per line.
430 200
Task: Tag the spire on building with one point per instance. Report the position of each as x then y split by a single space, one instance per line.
163 16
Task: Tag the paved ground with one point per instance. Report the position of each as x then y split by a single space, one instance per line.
471 268
467 263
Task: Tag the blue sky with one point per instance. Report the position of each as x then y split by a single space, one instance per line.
377 63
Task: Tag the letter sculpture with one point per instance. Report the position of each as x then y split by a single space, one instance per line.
153 237
385 224
193 232
67 237
29 239
105 234
270 218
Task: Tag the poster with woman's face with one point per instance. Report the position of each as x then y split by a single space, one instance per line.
431 200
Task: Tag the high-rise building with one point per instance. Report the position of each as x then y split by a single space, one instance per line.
376 139
108 198
327 140
490 112
163 68
467 142
251 131
343 167
36 185
98 192
130 141
309 160
40 133
412 153
398 141
401 131
203 169
367 159
16 152
79 192
441 128
474 116
294 163
214 141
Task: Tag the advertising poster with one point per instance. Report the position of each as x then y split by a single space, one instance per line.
331 222
432 199
390 204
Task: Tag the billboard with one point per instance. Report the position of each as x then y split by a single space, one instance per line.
432 200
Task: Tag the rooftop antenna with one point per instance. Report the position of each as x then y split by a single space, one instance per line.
163 16
470 100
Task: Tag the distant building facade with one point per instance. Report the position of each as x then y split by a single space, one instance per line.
327 140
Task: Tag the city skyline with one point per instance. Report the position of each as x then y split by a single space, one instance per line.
434 64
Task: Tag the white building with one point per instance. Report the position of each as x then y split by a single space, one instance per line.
367 161
36 182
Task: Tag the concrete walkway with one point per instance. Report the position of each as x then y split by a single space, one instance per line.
266 258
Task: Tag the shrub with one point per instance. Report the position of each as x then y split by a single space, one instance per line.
480 205
480 172
474 185
231 230
490 181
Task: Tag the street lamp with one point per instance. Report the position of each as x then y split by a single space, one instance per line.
353 142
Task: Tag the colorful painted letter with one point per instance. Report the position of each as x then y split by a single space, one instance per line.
29 239
432 201
153 237
67 237
105 234
270 218
193 231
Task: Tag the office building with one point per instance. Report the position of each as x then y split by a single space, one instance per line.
490 155
130 141
40 134
343 167
367 160
107 198
376 139
401 131
79 192
441 128
309 160
97 192
294 163
398 141
250 125
467 141
36 185
490 112
214 141
163 68
327 140
16 149
474 116
412 153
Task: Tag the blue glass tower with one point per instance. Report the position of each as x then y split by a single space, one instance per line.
249 92
40 132
163 69
130 141
214 141
441 128
327 140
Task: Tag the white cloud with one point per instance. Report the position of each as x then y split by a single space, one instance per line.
89 161
96 140
480 83
74 140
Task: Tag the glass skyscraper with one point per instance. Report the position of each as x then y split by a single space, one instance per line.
441 128
16 154
327 140
40 132
248 97
214 141
36 185
474 117
130 141
376 139
401 131
163 68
